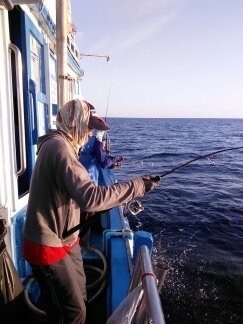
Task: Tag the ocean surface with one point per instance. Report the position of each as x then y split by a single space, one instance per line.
196 213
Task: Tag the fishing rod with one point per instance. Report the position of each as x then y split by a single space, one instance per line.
134 207
106 138
162 175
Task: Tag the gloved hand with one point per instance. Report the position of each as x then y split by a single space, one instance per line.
149 183
98 134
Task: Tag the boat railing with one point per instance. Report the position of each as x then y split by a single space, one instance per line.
142 304
150 308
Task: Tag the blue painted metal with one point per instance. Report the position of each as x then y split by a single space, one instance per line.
116 249
119 274
22 266
22 30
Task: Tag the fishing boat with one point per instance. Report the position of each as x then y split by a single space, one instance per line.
40 71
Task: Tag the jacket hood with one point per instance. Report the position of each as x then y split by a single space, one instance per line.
51 133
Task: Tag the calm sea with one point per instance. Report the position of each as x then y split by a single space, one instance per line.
196 214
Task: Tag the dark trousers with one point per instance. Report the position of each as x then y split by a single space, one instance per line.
63 289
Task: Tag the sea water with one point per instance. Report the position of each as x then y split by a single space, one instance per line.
196 213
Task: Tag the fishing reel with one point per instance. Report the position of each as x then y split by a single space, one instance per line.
133 207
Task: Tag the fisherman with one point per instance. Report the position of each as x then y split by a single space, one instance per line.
94 155
60 190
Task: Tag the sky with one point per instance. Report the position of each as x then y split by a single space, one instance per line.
168 58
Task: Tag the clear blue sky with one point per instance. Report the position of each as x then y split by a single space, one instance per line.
169 58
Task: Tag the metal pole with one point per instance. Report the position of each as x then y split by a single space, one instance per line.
136 275
150 307
61 34
151 295
160 270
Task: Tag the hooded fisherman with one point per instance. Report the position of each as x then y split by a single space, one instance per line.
60 190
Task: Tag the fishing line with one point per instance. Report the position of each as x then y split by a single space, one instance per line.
107 104
156 164
162 175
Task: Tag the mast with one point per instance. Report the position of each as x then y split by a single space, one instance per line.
61 34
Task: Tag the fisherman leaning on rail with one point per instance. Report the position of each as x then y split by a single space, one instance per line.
94 156
61 188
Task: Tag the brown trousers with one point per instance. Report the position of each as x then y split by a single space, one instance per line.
63 289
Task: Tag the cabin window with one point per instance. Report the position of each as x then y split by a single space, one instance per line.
36 57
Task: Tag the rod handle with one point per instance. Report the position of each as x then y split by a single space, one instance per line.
156 178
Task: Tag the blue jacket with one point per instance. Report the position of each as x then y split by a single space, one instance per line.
93 157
